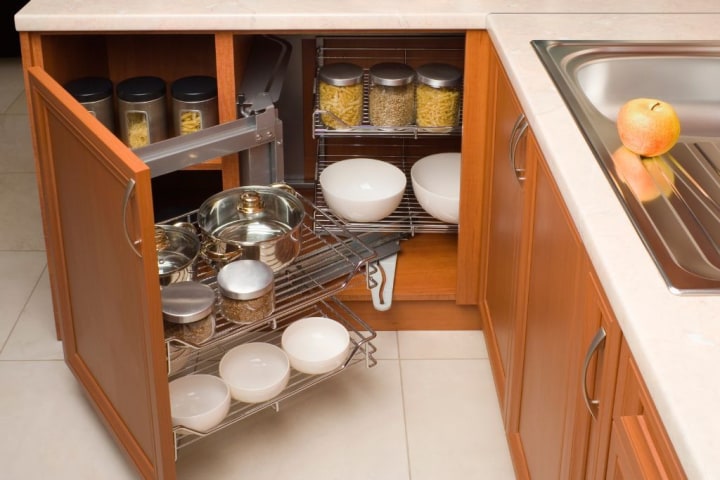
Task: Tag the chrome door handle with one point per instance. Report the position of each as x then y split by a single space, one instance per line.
126 200
598 339
518 131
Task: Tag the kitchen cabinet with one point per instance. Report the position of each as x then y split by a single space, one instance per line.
507 190
98 219
572 398
639 446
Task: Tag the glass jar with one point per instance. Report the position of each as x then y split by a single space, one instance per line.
195 104
247 289
391 101
142 111
437 95
95 94
340 94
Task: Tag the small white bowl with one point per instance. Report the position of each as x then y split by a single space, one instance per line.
436 184
199 402
316 344
362 189
255 372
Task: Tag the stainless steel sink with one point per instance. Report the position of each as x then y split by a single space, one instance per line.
681 229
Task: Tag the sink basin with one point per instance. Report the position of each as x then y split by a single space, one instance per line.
681 227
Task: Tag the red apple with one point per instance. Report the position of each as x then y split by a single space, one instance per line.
647 178
648 127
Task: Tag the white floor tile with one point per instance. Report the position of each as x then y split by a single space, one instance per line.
19 274
386 343
12 81
20 213
453 421
442 344
350 427
34 336
16 145
49 430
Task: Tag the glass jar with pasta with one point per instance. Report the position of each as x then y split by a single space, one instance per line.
141 110
340 95
195 104
437 95
391 101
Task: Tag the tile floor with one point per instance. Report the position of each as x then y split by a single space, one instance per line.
427 411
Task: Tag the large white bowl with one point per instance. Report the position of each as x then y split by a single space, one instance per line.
255 372
436 184
316 344
199 402
362 189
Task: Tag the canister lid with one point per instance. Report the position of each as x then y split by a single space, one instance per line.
439 75
89 89
391 74
341 74
186 302
141 89
245 279
194 89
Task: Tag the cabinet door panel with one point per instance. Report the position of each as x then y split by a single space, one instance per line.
550 357
504 232
105 289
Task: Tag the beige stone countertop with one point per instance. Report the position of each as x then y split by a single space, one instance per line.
303 15
675 339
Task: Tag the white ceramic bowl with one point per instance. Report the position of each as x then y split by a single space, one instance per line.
316 344
199 402
436 184
362 189
255 372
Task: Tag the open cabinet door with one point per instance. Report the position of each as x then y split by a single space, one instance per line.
98 221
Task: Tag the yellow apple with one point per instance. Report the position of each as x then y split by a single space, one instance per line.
647 126
647 178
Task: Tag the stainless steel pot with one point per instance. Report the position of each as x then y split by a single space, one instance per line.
254 223
178 246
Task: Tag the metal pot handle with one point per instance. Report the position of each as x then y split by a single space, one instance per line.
208 252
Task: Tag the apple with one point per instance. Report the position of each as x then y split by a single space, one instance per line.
647 178
647 126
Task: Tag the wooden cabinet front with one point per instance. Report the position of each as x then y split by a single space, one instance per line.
98 220
639 446
504 224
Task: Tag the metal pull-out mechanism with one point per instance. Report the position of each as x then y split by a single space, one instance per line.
380 273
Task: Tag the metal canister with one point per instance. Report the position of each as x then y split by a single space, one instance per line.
96 95
142 110
391 99
437 95
247 290
340 93
195 104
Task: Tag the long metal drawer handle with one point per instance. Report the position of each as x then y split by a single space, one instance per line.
519 130
597 340
126 200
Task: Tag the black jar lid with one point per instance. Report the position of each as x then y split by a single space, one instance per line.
439 75
391 74
89 89
194 89
141 89
341 74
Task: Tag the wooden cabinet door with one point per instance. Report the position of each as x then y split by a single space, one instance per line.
548 359
98 222
503 228
594 395
639 446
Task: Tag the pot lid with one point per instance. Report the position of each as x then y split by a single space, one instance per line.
187 302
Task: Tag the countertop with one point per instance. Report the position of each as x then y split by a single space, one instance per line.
675 339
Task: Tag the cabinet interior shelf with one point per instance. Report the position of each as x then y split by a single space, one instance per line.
207 360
